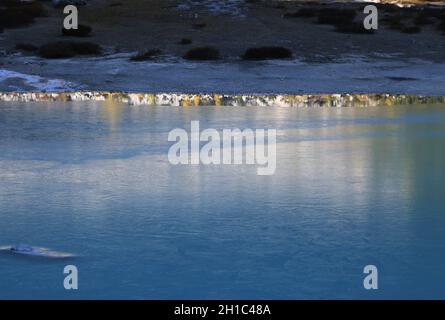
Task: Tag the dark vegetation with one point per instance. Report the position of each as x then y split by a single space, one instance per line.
353 27
441 27
68 49
411 29
267 53
302 13
279 6
345 19
116 4
202 53
336 17
411 20
199 25
16 14
185 41
26 47
82 31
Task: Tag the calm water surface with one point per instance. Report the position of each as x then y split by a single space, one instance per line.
352 187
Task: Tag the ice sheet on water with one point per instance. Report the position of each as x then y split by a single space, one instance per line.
28 250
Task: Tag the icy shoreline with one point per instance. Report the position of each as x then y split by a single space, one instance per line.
114 73
196 100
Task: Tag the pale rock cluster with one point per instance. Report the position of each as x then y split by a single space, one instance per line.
196 100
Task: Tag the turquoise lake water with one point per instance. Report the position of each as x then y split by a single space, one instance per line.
352 187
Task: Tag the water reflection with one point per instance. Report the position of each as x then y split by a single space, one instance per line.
112 112
352 187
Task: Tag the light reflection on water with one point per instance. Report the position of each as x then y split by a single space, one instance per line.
352 187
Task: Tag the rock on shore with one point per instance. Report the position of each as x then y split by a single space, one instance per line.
195 100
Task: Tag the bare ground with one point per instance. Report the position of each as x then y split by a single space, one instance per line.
139 25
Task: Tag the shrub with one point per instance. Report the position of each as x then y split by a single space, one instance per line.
26 47
438 13
68 49
57 50
411 29
394 22
423 18
199 25
185 41
266 53
303 13
354 27
441 26
280 6
202 53
82 31
86 48
15 14
335 16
